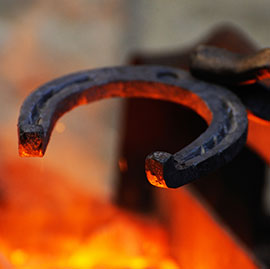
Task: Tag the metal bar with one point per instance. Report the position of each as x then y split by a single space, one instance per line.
230 68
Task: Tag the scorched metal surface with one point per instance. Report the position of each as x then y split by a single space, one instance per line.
221 109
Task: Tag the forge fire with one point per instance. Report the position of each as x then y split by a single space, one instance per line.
194 122
63 227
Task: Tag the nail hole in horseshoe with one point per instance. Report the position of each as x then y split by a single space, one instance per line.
164 75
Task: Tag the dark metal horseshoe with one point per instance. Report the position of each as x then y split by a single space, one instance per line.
221 109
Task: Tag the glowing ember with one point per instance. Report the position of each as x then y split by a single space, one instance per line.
26 150
154 180
31 143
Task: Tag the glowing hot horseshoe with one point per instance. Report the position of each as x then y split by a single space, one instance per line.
222 110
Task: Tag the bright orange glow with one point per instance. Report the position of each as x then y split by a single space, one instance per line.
18 257
26 150
152 90
154 180
259 136
47 222
31 146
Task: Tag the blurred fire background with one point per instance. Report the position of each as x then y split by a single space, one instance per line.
43 39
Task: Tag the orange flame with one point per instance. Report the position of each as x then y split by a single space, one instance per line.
45 221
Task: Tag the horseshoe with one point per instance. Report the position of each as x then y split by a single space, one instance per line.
221 109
